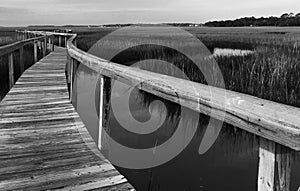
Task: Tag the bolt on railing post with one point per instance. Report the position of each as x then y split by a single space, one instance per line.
11 70
35 52
22 68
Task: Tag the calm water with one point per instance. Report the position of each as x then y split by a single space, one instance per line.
230 164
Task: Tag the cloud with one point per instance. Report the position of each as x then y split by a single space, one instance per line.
11 11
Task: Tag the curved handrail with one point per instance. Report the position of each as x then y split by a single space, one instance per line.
11 48
273 121
6 49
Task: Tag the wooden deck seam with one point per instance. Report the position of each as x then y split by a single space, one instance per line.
44 145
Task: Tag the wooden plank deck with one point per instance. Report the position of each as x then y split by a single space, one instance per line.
43 143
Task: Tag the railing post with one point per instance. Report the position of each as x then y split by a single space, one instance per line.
101 111
49 43
44 47
266 165
35 53
59 41
274 167
66 39
52 39
22 68
75 42
283 168
11 70
71 77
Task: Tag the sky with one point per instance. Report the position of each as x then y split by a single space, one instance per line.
61 12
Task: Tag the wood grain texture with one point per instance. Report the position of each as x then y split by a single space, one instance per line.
11 69
43 143
266 166
283 168
273 121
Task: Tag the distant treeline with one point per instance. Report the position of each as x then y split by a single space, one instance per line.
287 19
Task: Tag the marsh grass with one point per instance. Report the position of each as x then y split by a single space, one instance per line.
272 72
7 37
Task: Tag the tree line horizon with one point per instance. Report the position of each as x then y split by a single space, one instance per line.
286 19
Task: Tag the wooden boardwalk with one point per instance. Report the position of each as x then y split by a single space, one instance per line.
43 143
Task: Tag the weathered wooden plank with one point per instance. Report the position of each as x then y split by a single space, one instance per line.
283 168
266 166
43 143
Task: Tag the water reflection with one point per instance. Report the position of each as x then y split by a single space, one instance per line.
231 164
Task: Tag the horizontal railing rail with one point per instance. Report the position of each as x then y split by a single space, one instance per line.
40 42
277 125
274 121
6 49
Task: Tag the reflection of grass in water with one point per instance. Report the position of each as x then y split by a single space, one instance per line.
272 72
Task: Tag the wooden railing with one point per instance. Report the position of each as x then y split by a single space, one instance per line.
277 125
42 42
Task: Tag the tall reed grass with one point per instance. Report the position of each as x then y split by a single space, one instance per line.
272 72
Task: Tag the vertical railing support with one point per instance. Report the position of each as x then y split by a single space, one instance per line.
52 44
11 70
274 167
44 42
283 168
35 52
101 111
266 165
71 77
22 67
49 44
66 39
59 41
75 42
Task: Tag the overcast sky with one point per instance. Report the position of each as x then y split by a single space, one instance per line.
26 12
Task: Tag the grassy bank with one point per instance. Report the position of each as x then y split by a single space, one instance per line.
272 72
